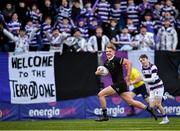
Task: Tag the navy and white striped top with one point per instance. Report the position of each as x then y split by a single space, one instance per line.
115 13
63 12
36 17
65 28
103 10
143 8
133 13
123 5
169 9
152 2
171 19
156 17
14 27
89 15
84 32
46 28
151 72
34 41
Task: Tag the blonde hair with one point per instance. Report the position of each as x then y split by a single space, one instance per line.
111 46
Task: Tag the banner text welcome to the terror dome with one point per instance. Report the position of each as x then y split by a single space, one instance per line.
31 78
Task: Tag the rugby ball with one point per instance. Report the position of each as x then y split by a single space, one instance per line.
104 70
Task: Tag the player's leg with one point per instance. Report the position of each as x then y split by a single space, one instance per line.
164 115
158 103
132 110
167 96
152 98
143 91
136 91
128 98
102 94
132 94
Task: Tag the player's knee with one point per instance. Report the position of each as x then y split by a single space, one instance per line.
152 105
100 95
130 101
158 104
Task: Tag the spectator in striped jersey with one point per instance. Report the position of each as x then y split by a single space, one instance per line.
157 15
155 86
56 39
29 27
123 17
46 28
168 15
14 25
65 26
133 12
148 23
83 28
76 43
123 41
103 11
64 11
131 27
33 31
168 7
21 40
144 40
98 42
116 11
123 5
34 14
144 7
89 12
153 2
167 37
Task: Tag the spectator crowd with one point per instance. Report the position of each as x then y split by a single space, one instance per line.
88 25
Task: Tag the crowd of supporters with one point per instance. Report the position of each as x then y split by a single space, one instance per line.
88 25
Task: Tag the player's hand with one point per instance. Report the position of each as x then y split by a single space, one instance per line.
98 72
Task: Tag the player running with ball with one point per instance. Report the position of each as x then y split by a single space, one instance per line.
115 67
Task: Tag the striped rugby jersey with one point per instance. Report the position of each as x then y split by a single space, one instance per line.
151 72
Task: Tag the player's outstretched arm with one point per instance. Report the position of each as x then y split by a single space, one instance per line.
128 64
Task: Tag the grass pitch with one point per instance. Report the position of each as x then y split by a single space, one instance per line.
112 124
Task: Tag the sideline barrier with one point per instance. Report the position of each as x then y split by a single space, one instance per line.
83 108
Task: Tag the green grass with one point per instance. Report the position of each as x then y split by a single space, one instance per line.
112 124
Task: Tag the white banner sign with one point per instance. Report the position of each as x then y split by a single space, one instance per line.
31 77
